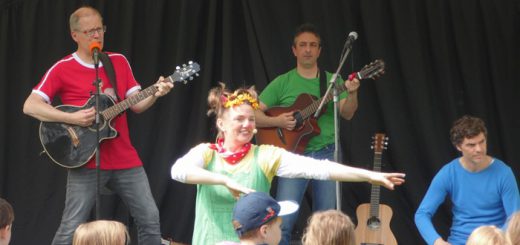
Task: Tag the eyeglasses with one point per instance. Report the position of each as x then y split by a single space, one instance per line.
90 33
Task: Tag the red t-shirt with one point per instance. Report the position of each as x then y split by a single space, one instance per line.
72 80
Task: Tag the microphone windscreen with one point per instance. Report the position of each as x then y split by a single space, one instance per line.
95 45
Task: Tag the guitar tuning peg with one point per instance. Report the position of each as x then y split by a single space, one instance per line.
184 81
190 62
183 65
191 78
177 68
197 74
372 147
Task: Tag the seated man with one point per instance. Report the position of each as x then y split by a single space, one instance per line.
483 189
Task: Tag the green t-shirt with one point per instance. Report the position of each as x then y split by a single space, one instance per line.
284 90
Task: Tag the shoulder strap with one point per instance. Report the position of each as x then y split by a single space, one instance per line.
109 68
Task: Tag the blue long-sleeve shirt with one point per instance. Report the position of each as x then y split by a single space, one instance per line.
486 197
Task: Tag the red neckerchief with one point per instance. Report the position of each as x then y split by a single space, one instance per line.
230 157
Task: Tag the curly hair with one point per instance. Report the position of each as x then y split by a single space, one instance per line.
466 127
331 227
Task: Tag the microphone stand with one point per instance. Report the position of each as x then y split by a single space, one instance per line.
97 83
333 89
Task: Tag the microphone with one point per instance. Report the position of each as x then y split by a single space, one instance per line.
352 36
95 48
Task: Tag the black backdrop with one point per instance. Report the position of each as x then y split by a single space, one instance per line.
444 59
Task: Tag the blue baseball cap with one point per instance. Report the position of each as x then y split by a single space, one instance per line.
257 208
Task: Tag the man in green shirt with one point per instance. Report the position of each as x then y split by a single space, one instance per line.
283 91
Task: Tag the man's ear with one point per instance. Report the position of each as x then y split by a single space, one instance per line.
74 35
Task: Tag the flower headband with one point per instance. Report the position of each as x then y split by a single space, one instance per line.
239 99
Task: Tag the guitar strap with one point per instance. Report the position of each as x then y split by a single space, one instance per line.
109 69
323 83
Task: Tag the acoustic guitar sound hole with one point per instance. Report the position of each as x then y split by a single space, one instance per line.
373 223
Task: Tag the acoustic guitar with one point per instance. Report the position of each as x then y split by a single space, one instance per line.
374 218
304 108
72 146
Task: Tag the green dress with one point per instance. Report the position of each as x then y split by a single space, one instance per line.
215 203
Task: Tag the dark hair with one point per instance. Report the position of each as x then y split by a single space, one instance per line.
466 127
307 27
6 213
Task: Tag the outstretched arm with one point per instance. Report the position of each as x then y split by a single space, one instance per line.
297 166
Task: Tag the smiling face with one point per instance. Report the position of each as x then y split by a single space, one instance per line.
306 48
237 125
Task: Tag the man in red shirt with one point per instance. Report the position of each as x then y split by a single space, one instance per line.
121 169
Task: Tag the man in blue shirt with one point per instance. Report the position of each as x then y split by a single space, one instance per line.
482 189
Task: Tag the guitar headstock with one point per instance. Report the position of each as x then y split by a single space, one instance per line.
380 143
185 72
373 70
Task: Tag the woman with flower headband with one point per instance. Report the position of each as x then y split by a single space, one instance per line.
233 166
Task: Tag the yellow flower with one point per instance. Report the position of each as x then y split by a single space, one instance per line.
234 100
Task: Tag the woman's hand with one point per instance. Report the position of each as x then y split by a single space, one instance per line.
236 189
388 180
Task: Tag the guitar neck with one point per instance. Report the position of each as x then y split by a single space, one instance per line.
116 109
312 108
375 193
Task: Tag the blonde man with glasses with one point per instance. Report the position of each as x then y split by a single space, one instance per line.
71 79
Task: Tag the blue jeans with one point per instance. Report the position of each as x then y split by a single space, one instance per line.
130 184
323 193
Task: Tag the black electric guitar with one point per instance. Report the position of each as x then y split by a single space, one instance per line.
374 218
72 146
304 108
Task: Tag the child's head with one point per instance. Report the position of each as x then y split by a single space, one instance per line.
6 221
328 228
107 232
256 217
487 235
